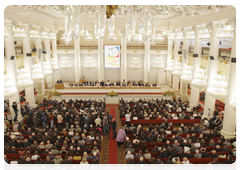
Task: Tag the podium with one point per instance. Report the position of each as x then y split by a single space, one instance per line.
82 80
59 86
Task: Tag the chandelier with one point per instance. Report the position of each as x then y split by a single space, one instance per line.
171 35
200 78
89 62
177 69
5 35
87 36
131 25
9 91
72 30
47 68
23 77
190 35
233 103
19 33
226 32
159 37
158 63
33 35
170 65
205 33
135 63
65 61
146 24
54 62
111 28
218 87
187 74
52 36
179 35
37 72
44 35
63 37
100 22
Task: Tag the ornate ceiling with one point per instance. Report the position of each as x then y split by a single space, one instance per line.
167 16
165 12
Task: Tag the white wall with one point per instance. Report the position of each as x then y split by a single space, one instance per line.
153 71
135 74
89 73
69 73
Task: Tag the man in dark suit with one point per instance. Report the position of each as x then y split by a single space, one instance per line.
124 83
140 83
204 153
91 83
154 85
80 84
71 84
215 164
76 84
59 81
102 83
86 83
134 83
67 161
147 85
118 83
169 161
114 127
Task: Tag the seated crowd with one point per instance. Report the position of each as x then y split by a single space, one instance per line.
173 143
56 132
111 84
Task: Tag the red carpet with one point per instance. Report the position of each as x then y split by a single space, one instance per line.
112 156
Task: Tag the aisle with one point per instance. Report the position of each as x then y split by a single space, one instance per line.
112 155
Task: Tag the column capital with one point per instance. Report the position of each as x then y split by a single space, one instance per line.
233 25
214 26
122 32
8 25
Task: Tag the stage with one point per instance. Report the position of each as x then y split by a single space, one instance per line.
127 93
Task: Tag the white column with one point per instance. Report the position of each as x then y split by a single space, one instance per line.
77 60
123 56
176 58
184 85
169 56
212 70
146 61
229 121
48 58
41 88
194 98
47 49
100 60
54 47
27 62
11 67
176 49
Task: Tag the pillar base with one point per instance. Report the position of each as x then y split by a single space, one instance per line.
228 135
208 117
184 97
193 104
40 98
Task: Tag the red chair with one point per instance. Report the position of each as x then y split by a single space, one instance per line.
198 161
207 160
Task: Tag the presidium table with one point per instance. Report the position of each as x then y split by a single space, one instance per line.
127 93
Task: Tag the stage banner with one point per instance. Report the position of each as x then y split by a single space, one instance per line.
112 56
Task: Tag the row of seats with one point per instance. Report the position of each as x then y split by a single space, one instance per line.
195 166
160 121
43 156
47 167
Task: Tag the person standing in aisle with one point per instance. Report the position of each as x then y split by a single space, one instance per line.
105 125
127 115
14 106
120 137
114 126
